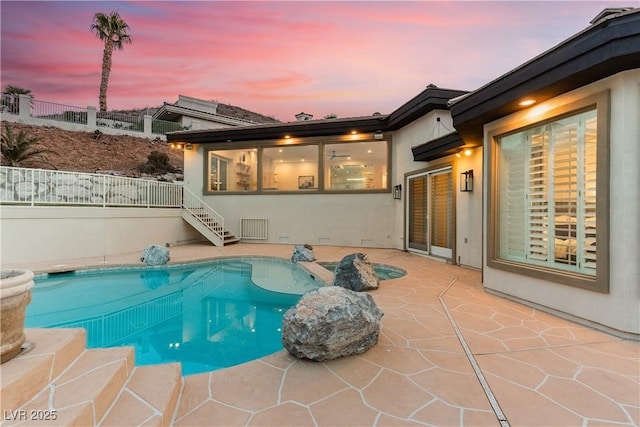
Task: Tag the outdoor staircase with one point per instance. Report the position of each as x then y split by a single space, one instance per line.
61 383
207 221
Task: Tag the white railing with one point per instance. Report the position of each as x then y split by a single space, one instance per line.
58 112
211 219
48 187
120 121
25 109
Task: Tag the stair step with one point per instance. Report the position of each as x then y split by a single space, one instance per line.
26 375
149 398
82 394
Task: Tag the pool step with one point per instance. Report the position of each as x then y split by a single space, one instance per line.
150 397
26 375
61 383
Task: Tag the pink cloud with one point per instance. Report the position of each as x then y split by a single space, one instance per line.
349 58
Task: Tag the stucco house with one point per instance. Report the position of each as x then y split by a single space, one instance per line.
532 178
193 113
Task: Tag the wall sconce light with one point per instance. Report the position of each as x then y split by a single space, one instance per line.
378 134
397 191
188 146
466 181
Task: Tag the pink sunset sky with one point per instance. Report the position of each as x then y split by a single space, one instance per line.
280 58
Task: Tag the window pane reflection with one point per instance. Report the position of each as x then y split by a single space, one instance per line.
356 166
232 170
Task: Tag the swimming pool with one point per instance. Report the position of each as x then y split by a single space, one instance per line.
207 315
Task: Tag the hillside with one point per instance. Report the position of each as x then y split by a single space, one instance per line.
80 152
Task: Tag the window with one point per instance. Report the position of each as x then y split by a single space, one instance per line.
356 166
232 170
306 166
550 211
290 168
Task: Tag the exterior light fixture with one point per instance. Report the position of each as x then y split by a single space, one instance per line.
466 181
287 137
397 191
378 134
527 102
467 152
188 146
353 132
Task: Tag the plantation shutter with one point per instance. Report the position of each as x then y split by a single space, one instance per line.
441 210
512 197
418 213
538 196
547 194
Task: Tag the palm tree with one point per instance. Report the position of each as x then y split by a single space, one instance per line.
21 150
11 99
112 30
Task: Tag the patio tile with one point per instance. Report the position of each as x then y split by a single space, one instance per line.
237 386
287 414
307 382
211 413
454 388
344 408
395 395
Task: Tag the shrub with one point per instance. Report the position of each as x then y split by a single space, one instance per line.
157 163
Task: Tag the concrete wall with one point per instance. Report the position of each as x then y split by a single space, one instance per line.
43 234
619 309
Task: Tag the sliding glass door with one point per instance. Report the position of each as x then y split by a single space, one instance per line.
430 213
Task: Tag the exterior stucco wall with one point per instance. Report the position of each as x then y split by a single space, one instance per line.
357 219
468 244
43 234
620 308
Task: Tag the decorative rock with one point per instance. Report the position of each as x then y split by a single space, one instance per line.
355 272
303 253
331 322
155 255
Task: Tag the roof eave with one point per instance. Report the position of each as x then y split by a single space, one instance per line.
599 51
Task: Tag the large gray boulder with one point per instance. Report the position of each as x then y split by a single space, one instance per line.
303 253
356 272
155 255
331 322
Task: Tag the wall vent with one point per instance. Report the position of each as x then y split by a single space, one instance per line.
254 228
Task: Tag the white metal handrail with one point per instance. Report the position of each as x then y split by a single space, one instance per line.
25 186
205 213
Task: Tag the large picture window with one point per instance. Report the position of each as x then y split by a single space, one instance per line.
232 170
290 168
356 166
548 201
306 166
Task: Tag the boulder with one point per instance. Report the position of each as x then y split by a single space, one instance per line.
155 255
303 253
355 272
331 322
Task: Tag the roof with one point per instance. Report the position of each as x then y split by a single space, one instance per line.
607 47
172 112
432 98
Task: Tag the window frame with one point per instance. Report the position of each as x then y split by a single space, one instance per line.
599 282
321 143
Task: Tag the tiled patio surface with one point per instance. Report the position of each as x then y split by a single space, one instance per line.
537 369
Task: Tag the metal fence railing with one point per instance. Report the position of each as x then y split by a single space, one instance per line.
9 104
25 186
26 107
161 127
58 112
120 121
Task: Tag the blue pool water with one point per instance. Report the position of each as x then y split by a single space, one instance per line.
384 272
206 315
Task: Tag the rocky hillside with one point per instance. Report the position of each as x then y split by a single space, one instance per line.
81 152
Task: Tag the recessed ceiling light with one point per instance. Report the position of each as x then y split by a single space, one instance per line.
527 102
